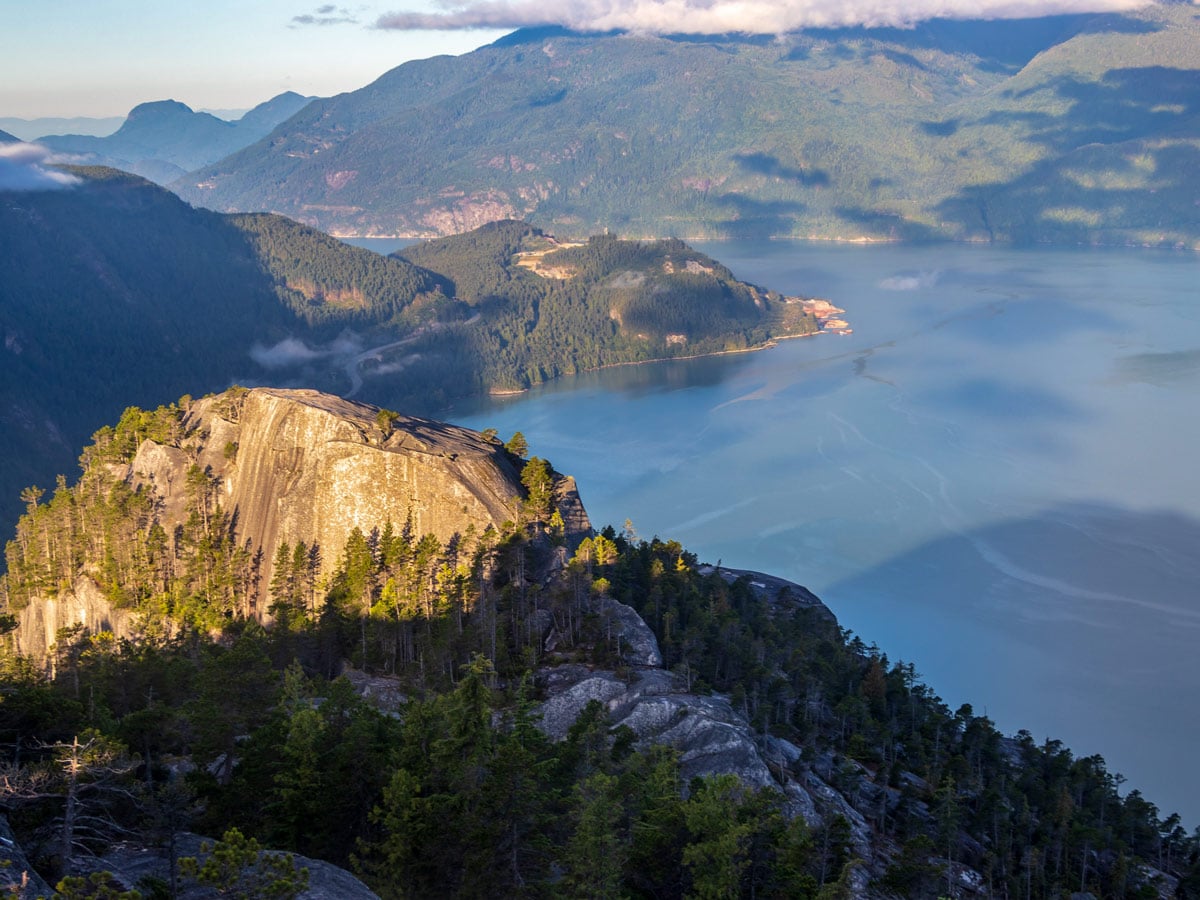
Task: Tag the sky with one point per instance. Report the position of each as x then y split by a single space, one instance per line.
103 57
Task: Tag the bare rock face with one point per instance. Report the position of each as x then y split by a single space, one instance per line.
638 645
297 465
130 863
710 737
84 604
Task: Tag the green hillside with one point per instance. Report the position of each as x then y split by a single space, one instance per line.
116 292
604 302
1072 128
430 775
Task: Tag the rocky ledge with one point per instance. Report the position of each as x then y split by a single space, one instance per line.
300 465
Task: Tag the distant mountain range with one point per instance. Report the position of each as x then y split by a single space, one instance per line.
31 129
6 138
1081 128
164 139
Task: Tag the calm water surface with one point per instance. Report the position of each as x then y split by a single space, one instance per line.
994 477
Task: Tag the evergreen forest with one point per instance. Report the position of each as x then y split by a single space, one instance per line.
444 785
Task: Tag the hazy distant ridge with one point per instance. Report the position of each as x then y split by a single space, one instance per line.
163 139
31 129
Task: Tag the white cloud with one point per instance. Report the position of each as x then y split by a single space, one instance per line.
326 15
729 16
24 167
287 353
292 352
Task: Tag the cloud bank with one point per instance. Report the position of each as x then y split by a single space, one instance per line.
729 16
918 282
23 167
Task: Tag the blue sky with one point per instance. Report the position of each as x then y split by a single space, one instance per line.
102 57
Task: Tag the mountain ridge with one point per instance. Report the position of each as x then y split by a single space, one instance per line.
162 139
849 134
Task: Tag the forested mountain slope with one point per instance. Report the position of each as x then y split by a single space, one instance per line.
541 309
1069 128
116 292
507 710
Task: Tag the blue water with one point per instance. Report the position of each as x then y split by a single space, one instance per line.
380 245
995 477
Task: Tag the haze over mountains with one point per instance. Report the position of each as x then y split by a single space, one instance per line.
163 139
1078 128
32 129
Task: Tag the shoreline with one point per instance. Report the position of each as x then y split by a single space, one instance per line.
864 240
767 345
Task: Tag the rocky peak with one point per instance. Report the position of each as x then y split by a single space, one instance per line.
299 465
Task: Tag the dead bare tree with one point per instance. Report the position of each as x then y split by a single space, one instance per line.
88 776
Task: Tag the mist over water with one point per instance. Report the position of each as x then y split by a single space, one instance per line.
994 477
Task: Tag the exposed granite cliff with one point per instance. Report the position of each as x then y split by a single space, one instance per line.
313 467
299 465
83 604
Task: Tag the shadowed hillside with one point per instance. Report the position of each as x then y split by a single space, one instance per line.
116 292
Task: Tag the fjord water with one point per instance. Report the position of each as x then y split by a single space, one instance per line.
995 477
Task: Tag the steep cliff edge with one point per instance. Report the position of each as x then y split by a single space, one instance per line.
300 465
283 467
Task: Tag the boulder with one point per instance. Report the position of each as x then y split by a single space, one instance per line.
638 645
130 863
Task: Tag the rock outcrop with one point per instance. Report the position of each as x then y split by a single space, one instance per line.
131 863
83 604
17 876
711 736
714 737
299 465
